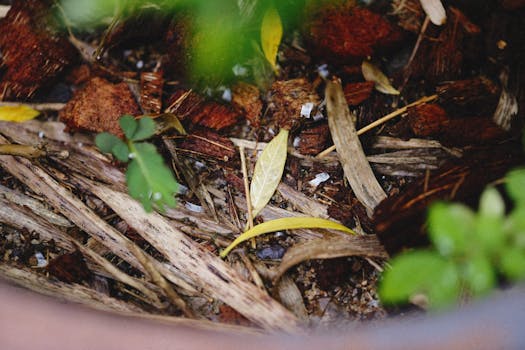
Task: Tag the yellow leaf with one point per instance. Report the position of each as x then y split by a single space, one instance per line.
285 224
268 171
19 113
271 35
372 73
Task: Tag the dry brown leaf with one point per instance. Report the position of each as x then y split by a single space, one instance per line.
435 11
373 73
329 248
349 150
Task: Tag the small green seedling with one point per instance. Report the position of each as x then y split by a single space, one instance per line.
470 250
149 180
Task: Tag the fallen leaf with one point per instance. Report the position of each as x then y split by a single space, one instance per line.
285 224
330 248
372 73
271 34
19 113
349 149
435 11
268 171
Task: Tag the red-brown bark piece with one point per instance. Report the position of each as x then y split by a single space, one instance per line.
431 120
345 32
287 98
235 181
427 120
349 214
440 57
209 143
70 268
470 97
314 140
178 44
356 93
33 51
98 106
513 4
194 110
410 14
246 97
151 92
79 75
471 131
228 315
399 219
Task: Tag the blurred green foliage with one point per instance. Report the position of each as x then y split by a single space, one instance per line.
470 250
225 33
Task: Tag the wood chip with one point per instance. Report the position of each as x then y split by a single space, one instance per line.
349 150
73 293
200 267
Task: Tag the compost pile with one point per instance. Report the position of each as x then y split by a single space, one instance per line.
421 105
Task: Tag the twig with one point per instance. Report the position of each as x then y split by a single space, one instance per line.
246 186
71 292
119 275
414 51
37 106
383 120
249 224
22 151
253 272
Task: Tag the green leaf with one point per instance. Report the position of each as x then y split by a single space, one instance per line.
479 274
420 272
268 171
450 226
491 203
285 224
515 226
106 141
515 185
145 129
121 151
512 263
129 125
149 180
490 234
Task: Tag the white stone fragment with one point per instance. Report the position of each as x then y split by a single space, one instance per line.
227 95
323 71
319 178
41 261
296 141
306 109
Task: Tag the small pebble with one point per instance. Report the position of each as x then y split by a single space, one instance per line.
274 252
